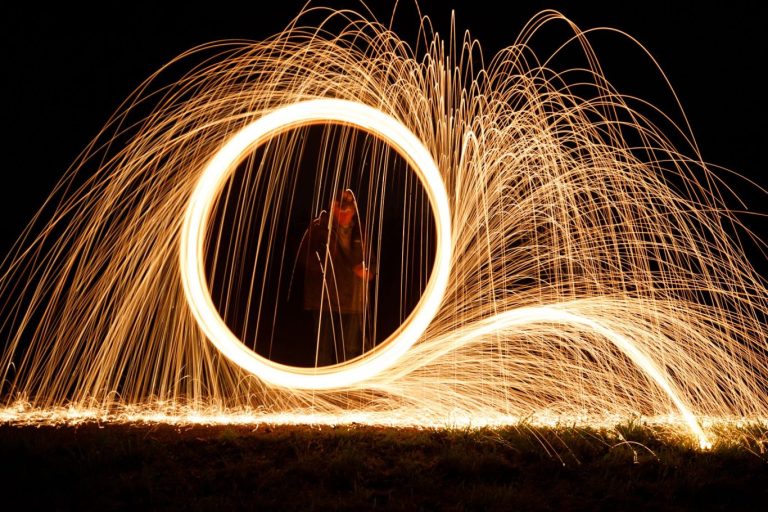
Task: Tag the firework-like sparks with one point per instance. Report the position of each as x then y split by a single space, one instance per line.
584 265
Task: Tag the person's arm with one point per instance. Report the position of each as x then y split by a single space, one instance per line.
316 239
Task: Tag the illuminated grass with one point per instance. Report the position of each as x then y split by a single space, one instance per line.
629 466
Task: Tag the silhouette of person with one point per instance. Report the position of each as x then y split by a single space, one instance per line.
336 280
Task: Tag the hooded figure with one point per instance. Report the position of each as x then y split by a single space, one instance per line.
336 280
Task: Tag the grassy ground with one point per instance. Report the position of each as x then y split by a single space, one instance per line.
632 467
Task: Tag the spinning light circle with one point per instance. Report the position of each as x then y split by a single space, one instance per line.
198 214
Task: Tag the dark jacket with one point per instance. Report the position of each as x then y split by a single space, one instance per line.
330 257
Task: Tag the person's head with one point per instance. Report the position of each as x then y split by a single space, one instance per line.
344 208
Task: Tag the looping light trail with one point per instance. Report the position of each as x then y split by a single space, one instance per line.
209 186
526 316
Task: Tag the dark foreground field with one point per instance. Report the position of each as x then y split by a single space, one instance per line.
138 467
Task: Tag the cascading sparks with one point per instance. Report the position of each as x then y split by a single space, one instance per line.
590 267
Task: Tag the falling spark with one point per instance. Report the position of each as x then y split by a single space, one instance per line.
585 266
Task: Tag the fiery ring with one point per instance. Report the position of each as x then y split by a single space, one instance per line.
209 186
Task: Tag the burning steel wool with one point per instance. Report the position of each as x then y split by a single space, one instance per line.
569 260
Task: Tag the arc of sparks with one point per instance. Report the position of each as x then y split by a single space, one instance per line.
208 188
388 353
595 266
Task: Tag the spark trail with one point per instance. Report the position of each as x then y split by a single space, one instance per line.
595 269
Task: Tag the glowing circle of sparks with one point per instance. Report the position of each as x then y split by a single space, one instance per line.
212 180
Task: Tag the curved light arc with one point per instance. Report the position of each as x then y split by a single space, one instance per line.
209 186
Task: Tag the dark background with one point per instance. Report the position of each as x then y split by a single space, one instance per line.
66 69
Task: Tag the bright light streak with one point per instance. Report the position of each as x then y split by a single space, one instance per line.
527 316
209 187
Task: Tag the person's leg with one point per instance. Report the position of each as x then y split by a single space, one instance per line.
352 335
324 338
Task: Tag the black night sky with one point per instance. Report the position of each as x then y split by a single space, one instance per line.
66 69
